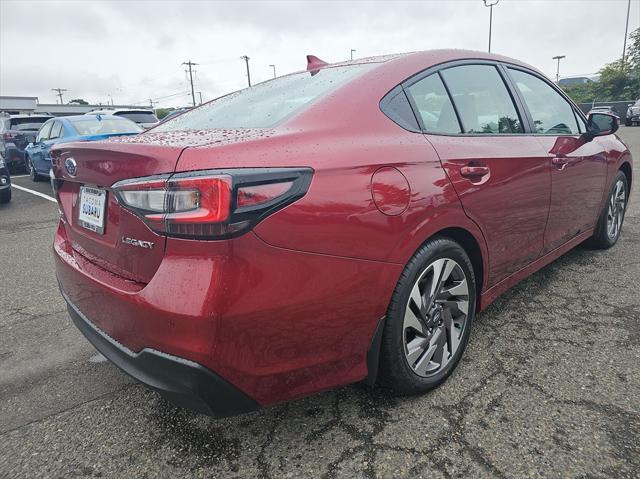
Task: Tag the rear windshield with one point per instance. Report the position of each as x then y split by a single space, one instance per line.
104 126
266 104
138 116
28 123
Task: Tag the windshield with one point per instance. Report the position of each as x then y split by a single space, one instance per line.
138 116
106 125
266 104
28 123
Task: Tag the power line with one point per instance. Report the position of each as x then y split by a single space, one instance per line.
59 90
193 95
246 59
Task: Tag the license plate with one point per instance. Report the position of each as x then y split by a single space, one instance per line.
92 206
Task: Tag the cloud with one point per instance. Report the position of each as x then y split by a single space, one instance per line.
136 48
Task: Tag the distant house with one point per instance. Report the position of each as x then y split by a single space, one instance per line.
574 81
29 105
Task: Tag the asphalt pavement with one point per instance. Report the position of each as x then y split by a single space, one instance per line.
549 386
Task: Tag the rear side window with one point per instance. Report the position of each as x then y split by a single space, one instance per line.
27 123
105 125
56 130
266 104
138 116
434 106
44 133
482 100
551 113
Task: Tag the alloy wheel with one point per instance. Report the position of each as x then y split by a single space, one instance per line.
435 317
615 211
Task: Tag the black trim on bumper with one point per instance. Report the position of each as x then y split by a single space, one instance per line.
179 380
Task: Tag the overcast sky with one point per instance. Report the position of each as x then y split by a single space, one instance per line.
133 50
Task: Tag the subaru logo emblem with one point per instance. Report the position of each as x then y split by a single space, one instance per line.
70 166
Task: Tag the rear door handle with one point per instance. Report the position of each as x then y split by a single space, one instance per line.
474 171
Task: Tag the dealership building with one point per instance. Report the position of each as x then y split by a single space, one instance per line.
28 105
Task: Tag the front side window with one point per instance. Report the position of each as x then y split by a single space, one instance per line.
434 106
56 130
482 100
44 132
266 104
551 113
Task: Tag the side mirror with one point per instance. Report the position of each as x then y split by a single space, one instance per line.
601 124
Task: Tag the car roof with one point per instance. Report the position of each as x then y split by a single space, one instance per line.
111 111
37 115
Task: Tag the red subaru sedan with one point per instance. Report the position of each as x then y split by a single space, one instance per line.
340 224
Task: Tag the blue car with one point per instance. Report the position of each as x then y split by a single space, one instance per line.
72 128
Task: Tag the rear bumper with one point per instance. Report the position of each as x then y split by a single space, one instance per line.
179 380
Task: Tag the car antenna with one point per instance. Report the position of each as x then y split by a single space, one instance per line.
314 64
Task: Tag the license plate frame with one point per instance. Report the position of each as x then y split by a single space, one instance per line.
92 206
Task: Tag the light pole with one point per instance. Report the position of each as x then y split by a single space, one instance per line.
200 94
246 59
490 4
626 31
274 70
559 57
352 50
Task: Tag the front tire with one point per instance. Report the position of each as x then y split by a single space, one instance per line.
5 195
612 216
429 318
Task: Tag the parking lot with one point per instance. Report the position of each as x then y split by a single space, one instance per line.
549 386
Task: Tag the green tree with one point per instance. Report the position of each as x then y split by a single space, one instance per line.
618 80
79 101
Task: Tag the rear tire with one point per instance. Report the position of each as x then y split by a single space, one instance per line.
5 195
611 217
33 174
422 343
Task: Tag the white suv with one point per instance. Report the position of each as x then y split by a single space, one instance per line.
145 118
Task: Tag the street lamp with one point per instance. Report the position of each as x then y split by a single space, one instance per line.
274 70
490 4
352 50
559 57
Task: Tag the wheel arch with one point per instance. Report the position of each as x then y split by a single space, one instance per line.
479 260
625 167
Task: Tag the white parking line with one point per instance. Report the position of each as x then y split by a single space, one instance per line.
37 193
19 176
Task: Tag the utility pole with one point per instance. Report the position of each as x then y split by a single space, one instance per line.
274 70
191 64
352 50
200 94
151 104
246 59
490 4
626 31
59 90
559 57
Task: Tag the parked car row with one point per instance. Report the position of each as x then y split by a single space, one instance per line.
17 132
88 127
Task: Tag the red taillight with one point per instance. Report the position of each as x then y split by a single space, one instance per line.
212 204
9 135
259 194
